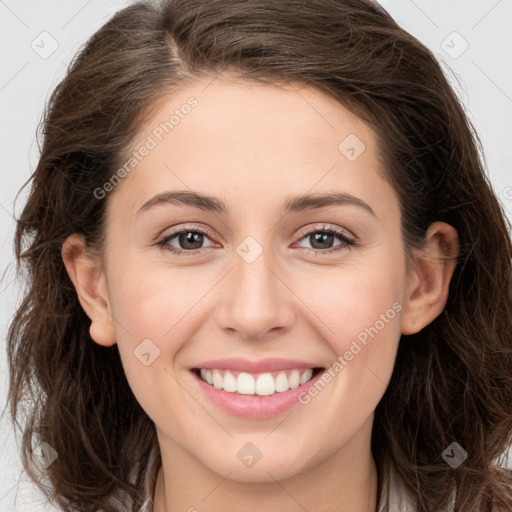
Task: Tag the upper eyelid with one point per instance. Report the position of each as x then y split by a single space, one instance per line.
186 228
325 227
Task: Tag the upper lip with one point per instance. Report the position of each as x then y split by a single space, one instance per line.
261 366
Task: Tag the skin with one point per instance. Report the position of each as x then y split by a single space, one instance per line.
253 146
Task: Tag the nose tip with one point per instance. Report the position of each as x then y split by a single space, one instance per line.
255 302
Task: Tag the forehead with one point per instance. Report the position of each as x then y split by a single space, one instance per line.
254 142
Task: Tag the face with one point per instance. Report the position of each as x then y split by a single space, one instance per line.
253 281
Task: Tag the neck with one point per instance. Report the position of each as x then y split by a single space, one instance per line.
342 482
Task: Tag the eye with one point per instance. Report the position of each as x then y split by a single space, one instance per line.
189 241
321 240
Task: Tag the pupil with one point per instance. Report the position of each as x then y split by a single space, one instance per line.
191 238
323 238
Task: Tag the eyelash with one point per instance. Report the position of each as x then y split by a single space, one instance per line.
346 242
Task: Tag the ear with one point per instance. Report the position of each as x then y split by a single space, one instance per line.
88 276
429 277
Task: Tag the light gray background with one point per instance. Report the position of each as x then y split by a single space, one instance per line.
482 76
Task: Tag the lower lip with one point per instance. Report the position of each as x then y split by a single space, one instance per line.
255 406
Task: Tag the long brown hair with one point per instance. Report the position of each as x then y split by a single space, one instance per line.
452 381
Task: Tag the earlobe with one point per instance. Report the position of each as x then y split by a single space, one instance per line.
88 277
429 280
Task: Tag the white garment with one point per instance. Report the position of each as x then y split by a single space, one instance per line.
395 498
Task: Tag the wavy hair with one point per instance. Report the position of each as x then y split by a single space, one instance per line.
452 381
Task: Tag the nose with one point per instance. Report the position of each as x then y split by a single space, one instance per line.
256 299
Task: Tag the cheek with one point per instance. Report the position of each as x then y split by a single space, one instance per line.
356 300
146 306
361 305
155 300
154 307
157 310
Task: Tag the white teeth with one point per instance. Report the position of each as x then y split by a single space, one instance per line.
245 383
218 381
229 382
294 379
263 384
282 382
306 376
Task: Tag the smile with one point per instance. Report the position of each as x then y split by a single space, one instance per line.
255 389
262 384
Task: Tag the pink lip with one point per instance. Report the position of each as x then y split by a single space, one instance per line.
264 365
254 406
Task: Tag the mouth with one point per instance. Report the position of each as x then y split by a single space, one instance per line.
255 390
259 384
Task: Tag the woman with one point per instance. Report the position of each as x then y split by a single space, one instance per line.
368 370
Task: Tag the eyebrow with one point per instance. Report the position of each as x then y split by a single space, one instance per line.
292 205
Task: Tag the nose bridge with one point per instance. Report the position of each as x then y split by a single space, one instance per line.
257 300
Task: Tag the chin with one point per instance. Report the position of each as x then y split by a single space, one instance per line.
268 469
